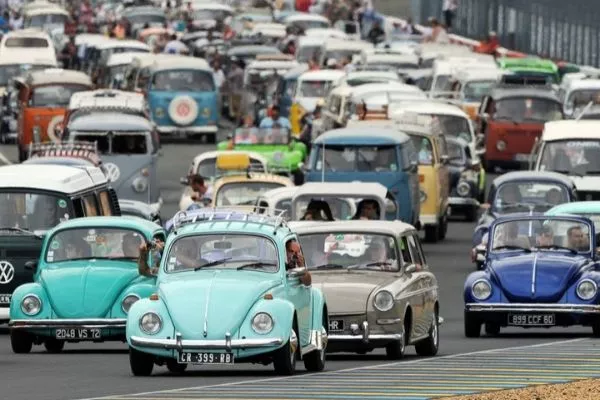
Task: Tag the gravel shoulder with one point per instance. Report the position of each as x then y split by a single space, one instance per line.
588 389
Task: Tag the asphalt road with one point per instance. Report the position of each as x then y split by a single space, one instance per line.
93 370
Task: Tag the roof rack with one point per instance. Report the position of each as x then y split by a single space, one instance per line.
260 215
75 149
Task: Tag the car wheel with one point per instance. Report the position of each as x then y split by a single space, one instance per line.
432 233
21 342
141 363
396 350
492 329
429 346
54 346
176 368
472 326
285 358
315 360
471 214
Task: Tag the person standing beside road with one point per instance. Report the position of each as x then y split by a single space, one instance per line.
449 9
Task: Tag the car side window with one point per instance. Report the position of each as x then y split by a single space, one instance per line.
143 79
415 251
404 250
91 208
104 199
262 207
79 208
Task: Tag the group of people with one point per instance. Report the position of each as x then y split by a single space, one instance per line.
508 236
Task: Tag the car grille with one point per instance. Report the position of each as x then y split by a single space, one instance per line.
587 196
22 253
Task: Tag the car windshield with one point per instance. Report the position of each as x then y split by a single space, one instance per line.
456 154
572 157
121 143
146 18
442 83
38 21
542 234
261 136
521 109
94 243
341 209
314 88
27 42
208 168
33 211
357 158
183 80
350 250
527 196
475 91
306 53
14 70
224 251
451 125
54 95
243 193
581 98
424 149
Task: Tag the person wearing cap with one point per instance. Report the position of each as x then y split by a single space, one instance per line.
489 45
545 237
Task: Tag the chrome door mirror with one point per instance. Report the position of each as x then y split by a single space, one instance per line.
410 269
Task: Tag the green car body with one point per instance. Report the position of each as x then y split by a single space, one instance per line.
81 299
284 154
531 66
211 310
589 209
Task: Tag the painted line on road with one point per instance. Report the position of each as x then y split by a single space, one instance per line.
332 374
5 160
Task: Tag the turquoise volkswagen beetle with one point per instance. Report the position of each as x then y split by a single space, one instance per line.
227 292
84 283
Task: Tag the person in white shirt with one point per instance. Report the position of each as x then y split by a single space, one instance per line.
16 21
218 74
449 8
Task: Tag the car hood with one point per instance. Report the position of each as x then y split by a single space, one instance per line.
89 290
347 292
536 277
217 301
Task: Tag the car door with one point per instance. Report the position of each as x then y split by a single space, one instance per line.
443 173
300 296
419 313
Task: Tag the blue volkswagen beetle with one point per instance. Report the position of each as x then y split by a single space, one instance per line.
540 271
84 283
228 291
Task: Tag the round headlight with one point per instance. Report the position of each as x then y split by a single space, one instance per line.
501 145
140 184
587 289
159 112
150 323
31 305
423 196
262 323
384 301
463 189
128 302
481 290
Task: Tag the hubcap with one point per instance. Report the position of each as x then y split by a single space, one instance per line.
434 331
293 346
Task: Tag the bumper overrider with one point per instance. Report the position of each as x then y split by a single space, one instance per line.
532 308
226 344
98 323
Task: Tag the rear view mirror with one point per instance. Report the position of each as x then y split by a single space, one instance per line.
296 272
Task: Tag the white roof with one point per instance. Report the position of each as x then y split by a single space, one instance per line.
173 62
389 75
352 45
58 178
310 40
585 84
322 75
27 57
477 74
393 228
427 107
342 190
429 50
121 59
49 10
321 33
95 99
116 44
391 58
385 87
394 48
214 154
305 17
275 195
570 129
272 64
90 38
342 91
27 33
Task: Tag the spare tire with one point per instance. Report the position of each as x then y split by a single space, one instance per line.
183 110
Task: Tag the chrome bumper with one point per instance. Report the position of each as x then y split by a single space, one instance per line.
4 314
98 323
429 219
187 129
526 307
226 344
363 334
463 201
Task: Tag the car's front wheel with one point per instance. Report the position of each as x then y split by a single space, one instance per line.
21 342
54 345
285 358
430 346
492 329
315 360
141 363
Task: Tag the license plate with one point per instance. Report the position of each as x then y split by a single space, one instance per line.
205 358
79 334
522 157
531 319
336 325
5 298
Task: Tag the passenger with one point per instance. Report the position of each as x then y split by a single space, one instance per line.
509 237
276 120
578 240
368 209
77 248
554 197
295 259
509 195
198 187
315 211
184 251
131 245
545 237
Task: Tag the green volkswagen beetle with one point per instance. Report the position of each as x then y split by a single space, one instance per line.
83 285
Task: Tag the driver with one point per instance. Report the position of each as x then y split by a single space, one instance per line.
295 259
578 240
554 197
367 209
545 237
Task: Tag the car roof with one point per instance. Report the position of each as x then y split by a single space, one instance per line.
387 87
146 227
252 49
322 75
279 193
585 84
180 62
533 175
305 17
56 178
107 98
121 58
393 228
500 93
296 72
27 33
119 43
50 9
256 224
429 107
17 59
571 129
102 121
51 76
344 44
575 207
342 189
362 136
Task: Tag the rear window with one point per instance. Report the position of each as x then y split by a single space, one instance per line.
357 158
519 109
121 144
26 42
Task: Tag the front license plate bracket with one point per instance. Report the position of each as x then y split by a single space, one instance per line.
185 357
531 319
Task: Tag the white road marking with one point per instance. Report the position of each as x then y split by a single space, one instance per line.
5 160
279 378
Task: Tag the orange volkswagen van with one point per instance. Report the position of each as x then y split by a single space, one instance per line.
43 97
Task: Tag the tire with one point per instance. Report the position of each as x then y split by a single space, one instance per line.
396 350
492 329
472 326
429 347
176 368
284 360
141 364
443 230
471 214
596 330
54 346
432 233
22 155
21 342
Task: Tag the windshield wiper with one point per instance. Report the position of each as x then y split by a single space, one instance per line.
257 265
122 258
330 266
21 230
213 263
557 247
510 247
373 264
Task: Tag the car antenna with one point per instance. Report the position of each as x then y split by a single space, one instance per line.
585 109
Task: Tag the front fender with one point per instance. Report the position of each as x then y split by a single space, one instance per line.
137 310
143 289
319 310
468 298
24 290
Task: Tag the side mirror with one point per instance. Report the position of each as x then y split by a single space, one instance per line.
410 269
31 265
480 257
485 116
184 180
296 272
413 167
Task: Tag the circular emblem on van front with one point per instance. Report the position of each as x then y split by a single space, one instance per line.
183 109
113 173
7 272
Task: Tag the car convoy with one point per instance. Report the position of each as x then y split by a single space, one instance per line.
300 246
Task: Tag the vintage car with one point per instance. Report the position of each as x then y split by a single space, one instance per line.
578 94
588 209
337 49
138 17
531 67
510 120
308 48
571 148
114 70
84 283
471 86
25 43
386 296
467 180
36 198
385 156
140 209
46 17
253 304
539 271
42 99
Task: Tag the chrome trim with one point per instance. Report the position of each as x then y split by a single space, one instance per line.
375 336
228 342
526 307
463 201
318 341
160 323
205 328
215 344
35 296
533 271
188 129
389 321
365 328
68 323
586 280
123 301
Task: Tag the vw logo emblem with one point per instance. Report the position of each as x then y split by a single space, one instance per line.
7 272
112 172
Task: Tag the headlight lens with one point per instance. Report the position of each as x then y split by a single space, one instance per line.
501 145
587 289
463 189
262 323
159 112
423 196
140 184
150 323
481 290
384 301
128 302
31 305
